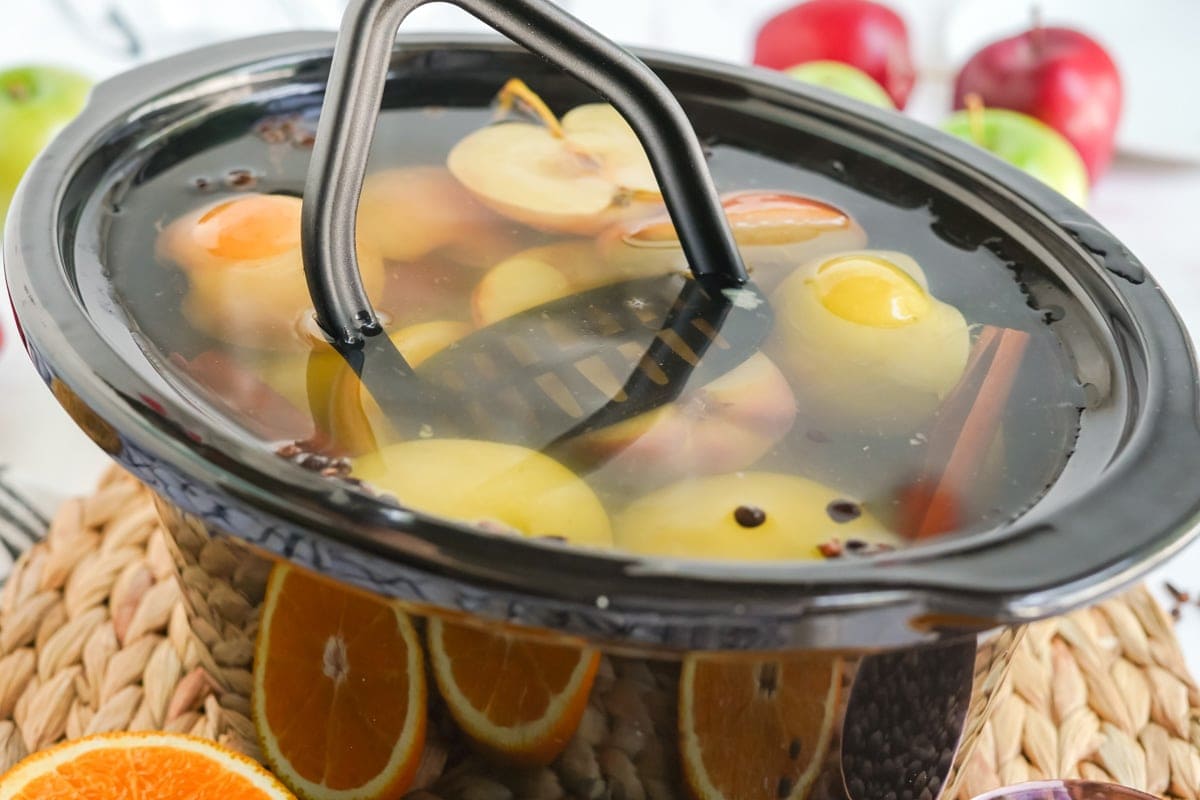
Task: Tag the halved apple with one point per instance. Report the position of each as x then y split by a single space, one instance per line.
543 274
579 175
775 231
410 212
246 283
533 277
745 516
866 345
500 487
723 426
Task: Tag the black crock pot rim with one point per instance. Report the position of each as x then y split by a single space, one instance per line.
978 575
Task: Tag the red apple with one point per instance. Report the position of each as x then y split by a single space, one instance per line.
1060 76
860 33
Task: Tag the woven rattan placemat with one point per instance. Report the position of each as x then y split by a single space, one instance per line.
93 637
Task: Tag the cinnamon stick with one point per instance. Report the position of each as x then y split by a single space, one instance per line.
966 427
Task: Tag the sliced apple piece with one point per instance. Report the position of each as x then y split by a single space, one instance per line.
245 274
419 342
542 274
724 426
745 516
775 231
867 347
410 212
500 487
575 176
533 277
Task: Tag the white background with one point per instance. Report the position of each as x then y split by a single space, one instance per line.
1152 205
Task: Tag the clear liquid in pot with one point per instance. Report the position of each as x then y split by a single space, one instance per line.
909 387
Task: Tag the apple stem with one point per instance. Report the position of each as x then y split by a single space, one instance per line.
17 91
974 105
1038 30
515 92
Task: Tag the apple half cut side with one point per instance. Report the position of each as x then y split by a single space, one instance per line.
776 232
578 175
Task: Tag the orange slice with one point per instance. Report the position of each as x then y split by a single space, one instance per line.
339 689
165 766
756 727
518 698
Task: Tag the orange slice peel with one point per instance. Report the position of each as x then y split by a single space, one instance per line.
756 726
518 698
339 698
165 766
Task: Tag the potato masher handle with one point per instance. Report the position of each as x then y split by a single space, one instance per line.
357 76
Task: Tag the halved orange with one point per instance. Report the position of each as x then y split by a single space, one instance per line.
519 697
339 689
756 726
165 766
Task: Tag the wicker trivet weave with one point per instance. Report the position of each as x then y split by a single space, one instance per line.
93 637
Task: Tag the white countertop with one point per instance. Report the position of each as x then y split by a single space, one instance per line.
1151 206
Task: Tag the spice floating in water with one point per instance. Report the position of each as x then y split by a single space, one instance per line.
749 516
831 548
836 548
240 179
844 511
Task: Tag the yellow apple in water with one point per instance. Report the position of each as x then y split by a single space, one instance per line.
578 176
744 516
775 231
542 274
723 426
245 273
865 344
500 487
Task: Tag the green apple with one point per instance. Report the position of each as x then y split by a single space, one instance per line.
1025 142
843 78
35 102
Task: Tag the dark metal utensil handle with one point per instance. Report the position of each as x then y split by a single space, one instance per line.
356 80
